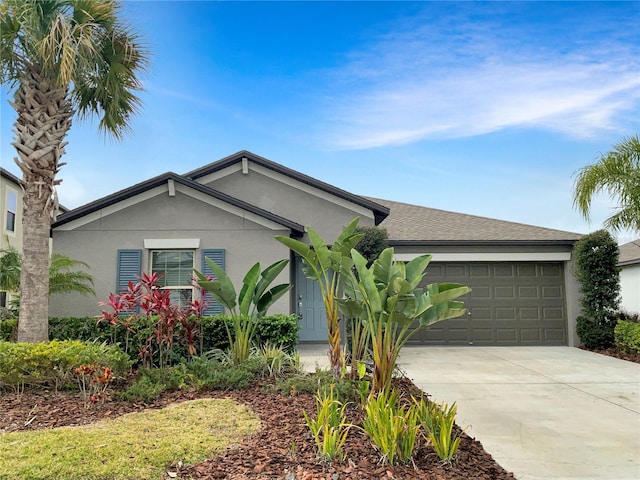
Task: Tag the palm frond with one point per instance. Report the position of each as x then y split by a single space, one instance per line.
616 173
10 262
64 279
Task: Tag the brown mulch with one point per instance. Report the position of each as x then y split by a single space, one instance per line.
281 449
617 353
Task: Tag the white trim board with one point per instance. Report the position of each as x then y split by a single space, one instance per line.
171 243
489 257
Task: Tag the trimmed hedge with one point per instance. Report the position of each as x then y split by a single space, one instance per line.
275 329
52 363
627 335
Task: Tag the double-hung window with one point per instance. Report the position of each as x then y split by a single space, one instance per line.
12 211
176 268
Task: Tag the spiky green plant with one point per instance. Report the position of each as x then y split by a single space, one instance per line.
247 306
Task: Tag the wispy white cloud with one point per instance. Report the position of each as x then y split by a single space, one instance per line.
454 79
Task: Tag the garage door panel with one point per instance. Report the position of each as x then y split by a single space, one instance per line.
551 292
518 303
504 292
504 271
479 271
531 335
528 291
506 335
480 292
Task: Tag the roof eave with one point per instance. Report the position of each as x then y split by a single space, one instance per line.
297 230
482 243
380 212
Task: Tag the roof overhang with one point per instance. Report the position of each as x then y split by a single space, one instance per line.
169 180
380 212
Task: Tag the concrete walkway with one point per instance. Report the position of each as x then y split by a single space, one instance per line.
542 412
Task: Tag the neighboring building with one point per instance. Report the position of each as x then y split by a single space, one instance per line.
629 262
230 210
11 208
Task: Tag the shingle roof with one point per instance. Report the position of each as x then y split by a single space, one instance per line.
629 253
379 211
413 224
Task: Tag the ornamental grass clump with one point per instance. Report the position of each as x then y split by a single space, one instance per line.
392 427
330 428
437 421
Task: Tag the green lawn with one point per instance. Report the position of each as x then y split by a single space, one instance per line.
136 446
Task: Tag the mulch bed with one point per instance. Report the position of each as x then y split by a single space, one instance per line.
617 353
281 449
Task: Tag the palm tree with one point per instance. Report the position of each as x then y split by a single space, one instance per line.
64 275
60 57
618 173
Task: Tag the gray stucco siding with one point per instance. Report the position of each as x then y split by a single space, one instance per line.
166 218
293 200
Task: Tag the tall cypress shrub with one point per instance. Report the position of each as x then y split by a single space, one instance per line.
596 257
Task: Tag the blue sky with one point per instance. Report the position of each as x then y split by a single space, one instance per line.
481 108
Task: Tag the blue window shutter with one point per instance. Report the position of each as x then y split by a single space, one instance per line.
217 256
129 268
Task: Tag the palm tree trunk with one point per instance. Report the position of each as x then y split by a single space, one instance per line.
44 118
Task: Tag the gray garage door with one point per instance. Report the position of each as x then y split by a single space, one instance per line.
511 304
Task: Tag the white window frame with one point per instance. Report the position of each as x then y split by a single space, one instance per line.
11 191
190 286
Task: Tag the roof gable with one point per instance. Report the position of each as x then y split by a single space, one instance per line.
146 186
380 211
415 225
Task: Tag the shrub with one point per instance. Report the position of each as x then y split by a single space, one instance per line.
627 336
52 364
8 330
596 257
274 329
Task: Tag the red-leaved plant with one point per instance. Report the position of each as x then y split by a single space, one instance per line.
145 302
93 380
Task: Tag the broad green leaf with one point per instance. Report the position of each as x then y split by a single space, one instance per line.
249 282
297 246
351 308
269 275
271 296
226 293
344 242
366 282
401 286
445 292
416 269
382 266
320 248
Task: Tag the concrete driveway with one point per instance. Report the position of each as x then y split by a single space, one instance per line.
542 412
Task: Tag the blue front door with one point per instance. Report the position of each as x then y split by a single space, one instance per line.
310 308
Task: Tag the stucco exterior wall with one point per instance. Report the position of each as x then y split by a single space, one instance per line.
8 237
630 288
290 199
164 217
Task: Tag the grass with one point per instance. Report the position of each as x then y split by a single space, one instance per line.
137 446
